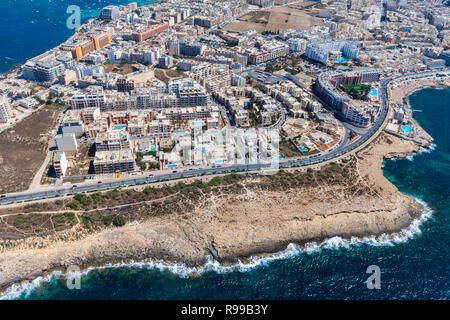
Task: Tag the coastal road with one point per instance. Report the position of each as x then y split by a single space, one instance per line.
343 148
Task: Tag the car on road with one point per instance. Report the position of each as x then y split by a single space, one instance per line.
150 175
174 171
2 196
99 182
74 186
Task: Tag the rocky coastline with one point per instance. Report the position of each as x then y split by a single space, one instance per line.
237 225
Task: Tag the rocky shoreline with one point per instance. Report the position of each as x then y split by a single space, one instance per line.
236 226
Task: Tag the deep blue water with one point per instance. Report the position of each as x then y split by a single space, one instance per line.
415 269
29 28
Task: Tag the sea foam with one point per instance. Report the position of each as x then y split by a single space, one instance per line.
24 289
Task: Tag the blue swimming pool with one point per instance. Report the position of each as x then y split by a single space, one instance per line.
302 149
340 60
171 166
218 161
197 123
119 127
406 129
373 92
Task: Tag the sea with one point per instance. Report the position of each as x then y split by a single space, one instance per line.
412 264
31 27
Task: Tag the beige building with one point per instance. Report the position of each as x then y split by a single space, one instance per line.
114 161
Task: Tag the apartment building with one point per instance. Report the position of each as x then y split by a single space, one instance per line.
91 97
89 43
89 115
113 161
151 31
124 84
5 110
189 92
319 51
109 13
60 164
112 140
160 128
47 70
268 51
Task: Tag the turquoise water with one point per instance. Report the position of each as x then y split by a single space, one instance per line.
415 268
302 149
119 127
340 60
171 166
196 123
29 28
373 92
406 129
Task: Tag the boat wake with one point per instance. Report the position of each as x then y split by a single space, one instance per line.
23 290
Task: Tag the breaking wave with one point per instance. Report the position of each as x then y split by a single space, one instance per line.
24 289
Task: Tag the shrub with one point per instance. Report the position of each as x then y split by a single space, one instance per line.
107 220
118 221
73 205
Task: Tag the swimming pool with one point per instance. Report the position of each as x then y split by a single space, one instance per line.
302 149
373 92
119 127
406 129
341 60
218 161
171 166
197 123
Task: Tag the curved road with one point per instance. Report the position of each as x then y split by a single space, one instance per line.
283 163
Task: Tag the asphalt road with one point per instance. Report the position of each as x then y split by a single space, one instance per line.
342 148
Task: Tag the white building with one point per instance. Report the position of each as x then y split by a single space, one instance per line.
5 110
60 164
67 143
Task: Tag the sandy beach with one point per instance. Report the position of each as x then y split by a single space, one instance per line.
401 90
